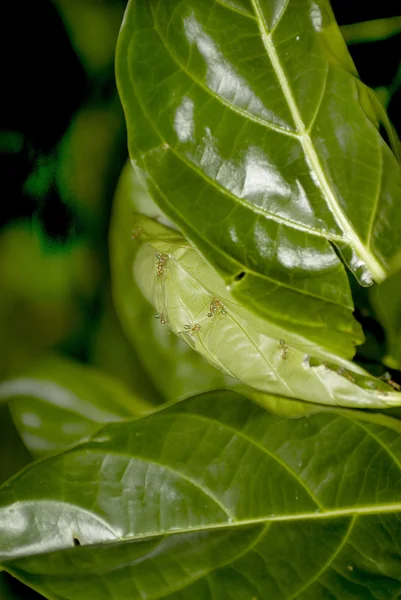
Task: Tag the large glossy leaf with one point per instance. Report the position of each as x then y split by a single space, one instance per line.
175 369
57 403
192 300
212 498
262 145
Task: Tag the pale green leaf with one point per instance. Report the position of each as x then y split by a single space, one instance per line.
193 301
174 368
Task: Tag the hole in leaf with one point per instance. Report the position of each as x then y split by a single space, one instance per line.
240 276
76 541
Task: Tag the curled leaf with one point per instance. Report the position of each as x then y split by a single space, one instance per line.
193 301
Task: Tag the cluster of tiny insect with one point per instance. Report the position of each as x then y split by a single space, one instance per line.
194 329
215 308
387 378
161 264
284 349
370 384
340 371
161 318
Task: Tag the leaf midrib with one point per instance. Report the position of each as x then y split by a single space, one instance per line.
303 135
241 523
242 266
372 264
166 146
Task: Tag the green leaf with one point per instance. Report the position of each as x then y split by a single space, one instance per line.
174 368
371 31
386 301
210 498
262 145
57 403
192 300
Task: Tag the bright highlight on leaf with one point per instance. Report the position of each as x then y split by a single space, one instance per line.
213 497
262 145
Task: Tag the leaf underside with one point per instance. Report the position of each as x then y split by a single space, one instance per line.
192 301
176 370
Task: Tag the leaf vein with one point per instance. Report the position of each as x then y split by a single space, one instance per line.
333 203
329 561
166 467
235 9
253 442
226 103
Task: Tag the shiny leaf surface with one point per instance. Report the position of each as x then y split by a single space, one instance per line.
58 403
176 370
262 145
213 497
192 300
